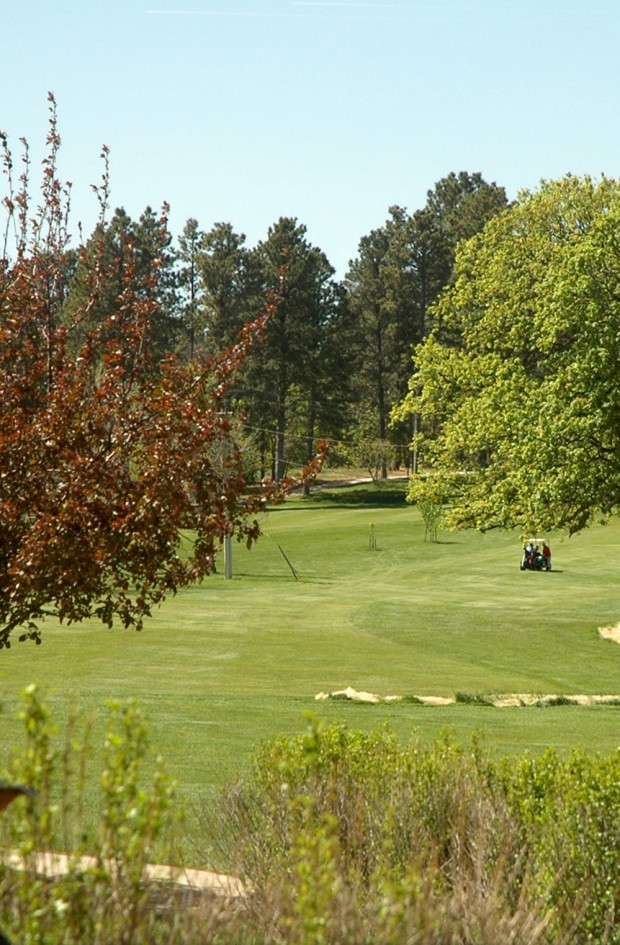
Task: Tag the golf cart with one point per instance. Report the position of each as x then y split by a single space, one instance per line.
536 555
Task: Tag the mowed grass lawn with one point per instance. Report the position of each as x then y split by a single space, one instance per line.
230 662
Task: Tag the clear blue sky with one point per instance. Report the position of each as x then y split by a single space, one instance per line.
330 111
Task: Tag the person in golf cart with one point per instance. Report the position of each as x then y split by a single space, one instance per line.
536 555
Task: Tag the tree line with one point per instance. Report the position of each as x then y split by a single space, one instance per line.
475 337
336 356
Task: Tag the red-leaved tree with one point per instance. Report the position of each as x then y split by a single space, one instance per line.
119 475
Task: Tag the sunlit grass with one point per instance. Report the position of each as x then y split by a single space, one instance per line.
228 663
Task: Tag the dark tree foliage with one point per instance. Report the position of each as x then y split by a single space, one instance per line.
230 285
290 377
112 251
188 282
401 269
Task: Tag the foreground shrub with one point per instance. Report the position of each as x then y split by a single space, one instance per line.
353 837
341 837
568 813
102 899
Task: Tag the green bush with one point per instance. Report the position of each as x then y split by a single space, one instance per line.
569 814
353 837
473 698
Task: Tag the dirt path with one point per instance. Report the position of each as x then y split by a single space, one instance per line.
59 864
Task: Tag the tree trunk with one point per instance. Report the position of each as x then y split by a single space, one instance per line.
310 439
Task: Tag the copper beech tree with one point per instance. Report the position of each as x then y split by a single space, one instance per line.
120 474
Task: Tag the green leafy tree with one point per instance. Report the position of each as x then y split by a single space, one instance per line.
518 383
430 496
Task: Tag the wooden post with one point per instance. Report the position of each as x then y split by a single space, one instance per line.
228 563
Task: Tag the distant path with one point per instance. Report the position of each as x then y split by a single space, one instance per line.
333 483
59 864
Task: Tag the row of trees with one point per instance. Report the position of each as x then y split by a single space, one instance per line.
510 314
336 354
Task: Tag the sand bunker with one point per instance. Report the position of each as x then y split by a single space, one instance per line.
499 700
60 864
610 633
354 695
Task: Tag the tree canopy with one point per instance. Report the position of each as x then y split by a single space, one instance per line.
518 383
120 470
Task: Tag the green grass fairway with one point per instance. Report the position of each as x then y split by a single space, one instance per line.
230 662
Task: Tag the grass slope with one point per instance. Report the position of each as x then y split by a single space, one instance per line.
230 662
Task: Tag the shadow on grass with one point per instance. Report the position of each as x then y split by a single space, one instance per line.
368 494
285 578
553 571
